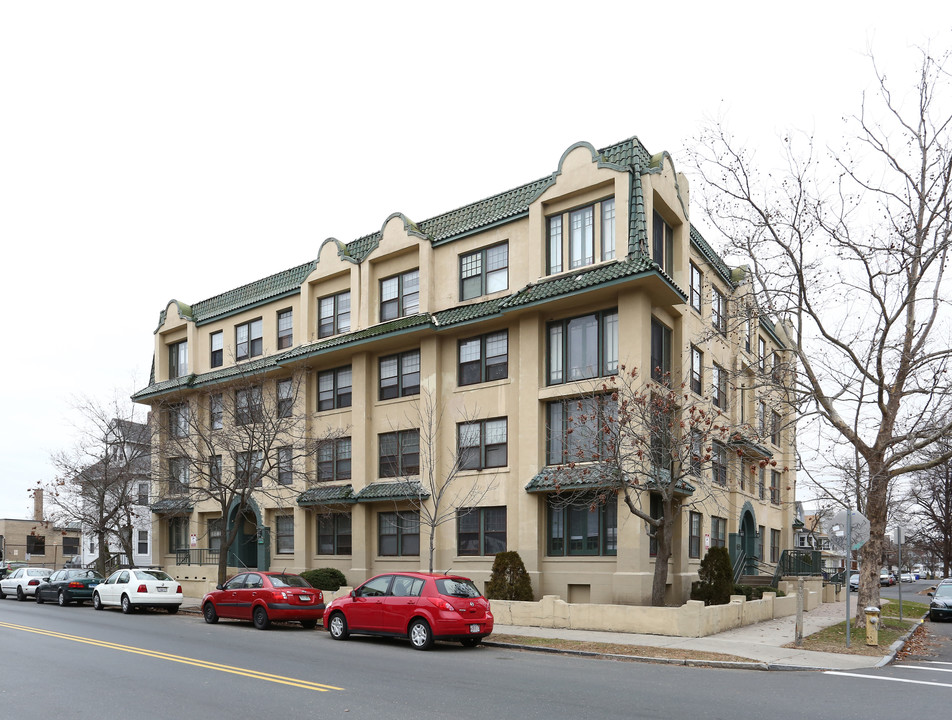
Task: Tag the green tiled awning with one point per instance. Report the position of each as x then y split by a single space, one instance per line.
748 447
327 495
581 477
401 490
171 506
587 477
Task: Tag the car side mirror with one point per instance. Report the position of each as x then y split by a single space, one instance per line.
931 594
353 593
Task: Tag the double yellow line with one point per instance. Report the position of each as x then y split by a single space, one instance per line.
293 682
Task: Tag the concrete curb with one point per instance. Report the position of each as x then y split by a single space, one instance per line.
897 646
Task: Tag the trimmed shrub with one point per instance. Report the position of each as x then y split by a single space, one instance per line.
716 578
325 578
756 592
510 580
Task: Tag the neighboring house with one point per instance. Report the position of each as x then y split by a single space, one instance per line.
506 310
37 541
131 441
811 535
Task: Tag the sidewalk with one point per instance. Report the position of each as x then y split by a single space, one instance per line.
762 643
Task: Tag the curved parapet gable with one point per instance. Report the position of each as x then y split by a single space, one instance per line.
396 233
657 168
341 248
181 312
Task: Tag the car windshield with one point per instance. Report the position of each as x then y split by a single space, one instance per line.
155 574
84 574
457 587
944 591
289 581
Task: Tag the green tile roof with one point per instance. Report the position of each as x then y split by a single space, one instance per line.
327 495
398 490
750 447
712 257
171 506
469 218
586 477
571 479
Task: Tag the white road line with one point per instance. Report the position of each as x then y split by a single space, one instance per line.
923 667
882 677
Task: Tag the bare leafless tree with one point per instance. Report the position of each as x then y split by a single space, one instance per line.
930 513
245 438
848 250
639 440
98 480
440 487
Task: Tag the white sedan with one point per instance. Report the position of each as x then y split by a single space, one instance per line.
907 577
23 582
138 587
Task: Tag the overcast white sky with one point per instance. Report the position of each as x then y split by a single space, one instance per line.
151 151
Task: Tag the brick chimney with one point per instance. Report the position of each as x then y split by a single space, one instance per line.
38 505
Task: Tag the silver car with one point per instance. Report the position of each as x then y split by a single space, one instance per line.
133 588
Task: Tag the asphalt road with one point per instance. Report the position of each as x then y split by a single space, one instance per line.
104 664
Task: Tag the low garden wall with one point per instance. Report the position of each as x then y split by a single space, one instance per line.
693 619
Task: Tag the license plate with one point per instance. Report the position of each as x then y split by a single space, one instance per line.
305 598
162 589
474 628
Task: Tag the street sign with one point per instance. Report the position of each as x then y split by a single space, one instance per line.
859 531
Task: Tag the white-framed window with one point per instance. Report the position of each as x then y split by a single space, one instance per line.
400 295
483 444
484 271
178 359
285 329
284 534
582 347
249 340
333 314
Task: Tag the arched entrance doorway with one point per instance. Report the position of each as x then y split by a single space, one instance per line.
251 546
748 538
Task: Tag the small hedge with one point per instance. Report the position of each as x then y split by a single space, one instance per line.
716 583
756 592
325 578
510 579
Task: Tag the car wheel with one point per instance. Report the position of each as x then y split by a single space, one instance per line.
61 599
36 596
470 642
210 614
172 609
338 626
97 603
309 624
127 606
260 618
2 595
20 596
421 637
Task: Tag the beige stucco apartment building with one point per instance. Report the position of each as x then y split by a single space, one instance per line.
500 312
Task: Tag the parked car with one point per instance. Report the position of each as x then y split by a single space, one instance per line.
263 598
886 579
8 567
23 582
854 582
941 606
69 585
135 588
421 606
907 577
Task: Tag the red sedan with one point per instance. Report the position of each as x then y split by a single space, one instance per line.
264 597
421 606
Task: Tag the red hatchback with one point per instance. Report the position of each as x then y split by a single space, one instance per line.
263 597
421 606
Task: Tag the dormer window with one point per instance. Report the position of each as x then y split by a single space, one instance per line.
333 314
400 295
662 244
573 233
178 359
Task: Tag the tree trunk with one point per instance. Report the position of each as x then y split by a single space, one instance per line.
664 536
871 555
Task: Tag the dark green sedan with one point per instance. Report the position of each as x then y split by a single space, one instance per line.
69 585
